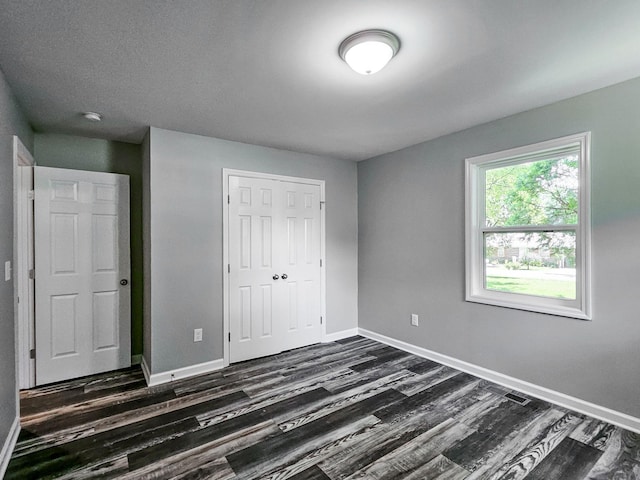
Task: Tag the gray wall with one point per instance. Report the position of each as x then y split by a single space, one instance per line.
80 153
12 122
186 238
411 254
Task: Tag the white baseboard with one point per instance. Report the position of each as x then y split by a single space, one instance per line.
332 337
164 377
145 369
9 445
170 375
596 411
136 359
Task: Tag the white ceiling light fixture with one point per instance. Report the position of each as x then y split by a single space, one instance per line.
368 51
92 116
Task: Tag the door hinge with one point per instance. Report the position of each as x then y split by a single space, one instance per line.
32 354
321 203
228 199
31 195
32 274
320 320
320 262
229 337
228 268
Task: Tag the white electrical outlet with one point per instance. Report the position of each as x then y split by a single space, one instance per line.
197 334
414 319
7 270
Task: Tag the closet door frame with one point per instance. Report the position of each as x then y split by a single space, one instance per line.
226 173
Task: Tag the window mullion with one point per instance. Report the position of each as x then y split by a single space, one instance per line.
531 228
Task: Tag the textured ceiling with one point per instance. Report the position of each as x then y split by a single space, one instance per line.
267 72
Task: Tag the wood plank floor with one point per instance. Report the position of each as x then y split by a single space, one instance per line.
344 410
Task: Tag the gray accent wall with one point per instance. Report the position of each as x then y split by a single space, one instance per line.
12 122
411 254
186 270
96 155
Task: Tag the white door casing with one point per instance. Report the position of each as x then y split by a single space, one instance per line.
23 262
274 285
82 252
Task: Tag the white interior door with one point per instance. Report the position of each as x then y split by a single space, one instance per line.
82 269
301 264
274 236
253 257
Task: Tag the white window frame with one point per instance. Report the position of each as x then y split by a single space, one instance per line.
476 168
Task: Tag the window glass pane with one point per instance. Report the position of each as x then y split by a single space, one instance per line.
543 192
531 263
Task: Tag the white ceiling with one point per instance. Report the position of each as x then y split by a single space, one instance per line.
267 72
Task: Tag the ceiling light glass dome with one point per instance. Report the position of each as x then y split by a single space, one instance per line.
367 52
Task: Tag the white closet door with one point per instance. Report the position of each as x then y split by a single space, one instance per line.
274 269
254 308
301 264
82 268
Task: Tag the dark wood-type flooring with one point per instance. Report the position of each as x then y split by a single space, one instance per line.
349 409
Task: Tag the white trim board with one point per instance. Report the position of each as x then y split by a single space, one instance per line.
202 368
22 262
596 411
332 337
9 445
145 370
179 373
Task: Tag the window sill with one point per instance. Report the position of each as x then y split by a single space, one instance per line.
495 299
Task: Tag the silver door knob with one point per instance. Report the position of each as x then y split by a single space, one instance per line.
275 277
284 276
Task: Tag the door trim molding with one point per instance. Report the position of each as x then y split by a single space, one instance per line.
226 173
23 258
